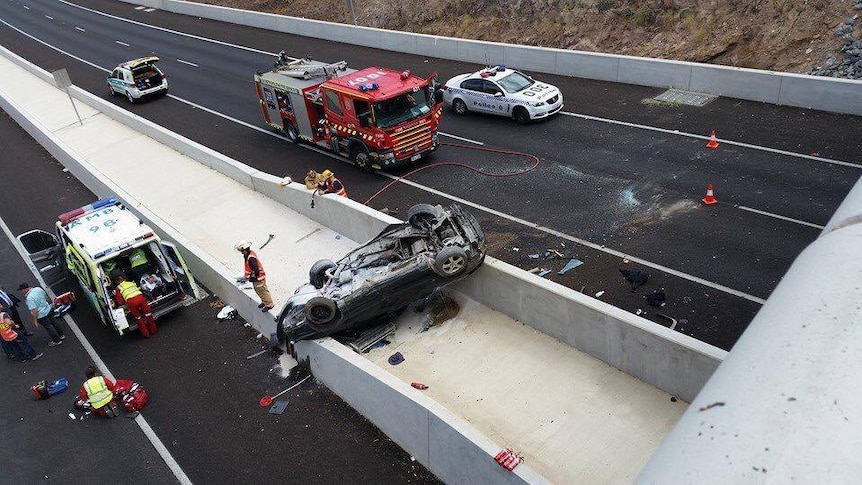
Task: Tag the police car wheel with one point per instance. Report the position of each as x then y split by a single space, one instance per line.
129 97
111 91
459 106
291 132
521 116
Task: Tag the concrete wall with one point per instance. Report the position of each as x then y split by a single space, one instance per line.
828 94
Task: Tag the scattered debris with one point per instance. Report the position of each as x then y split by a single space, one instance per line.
65 170
600 293
371 338
626 261
419 385
655 298
271 237
672 320
508 459
544 272
791 399
72 416
535 270
278 407
226 313
317 229
387 210
337 237
396 358
556 253
572 264
267 400
533 256
635 277
639 312
516 249
673 399
255 354
713 405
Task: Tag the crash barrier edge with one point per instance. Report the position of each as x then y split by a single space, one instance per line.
444 443
781 88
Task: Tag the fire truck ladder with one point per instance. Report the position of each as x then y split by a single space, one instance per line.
304 69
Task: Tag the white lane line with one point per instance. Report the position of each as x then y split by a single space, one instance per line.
49 17
458 199
140 7
187 62
703 137
121 43
461 138
73 56
171 31
79 28
140 420
777 216
148 10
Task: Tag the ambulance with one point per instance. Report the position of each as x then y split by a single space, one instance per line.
94 244
376 117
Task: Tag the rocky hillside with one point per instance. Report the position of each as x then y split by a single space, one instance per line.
816 36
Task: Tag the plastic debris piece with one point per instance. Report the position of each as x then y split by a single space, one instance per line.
72 416
639 311
626 261
516 249
572 264
655 298
600 293
556 253
278 407
226 313
710 406
635 277
419 385
337 237
673 399
533 256
535 270
544 272
396 358
255 354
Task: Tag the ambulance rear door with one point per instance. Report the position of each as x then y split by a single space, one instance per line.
184 276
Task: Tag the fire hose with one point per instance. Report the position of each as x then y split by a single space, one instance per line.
527 156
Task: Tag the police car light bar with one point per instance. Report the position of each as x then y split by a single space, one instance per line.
74 214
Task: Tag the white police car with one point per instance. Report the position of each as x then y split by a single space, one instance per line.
502 91
138 79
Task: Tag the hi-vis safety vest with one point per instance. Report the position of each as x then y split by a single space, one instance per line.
330 187
261 274
6 328
137 258
128 290
98 392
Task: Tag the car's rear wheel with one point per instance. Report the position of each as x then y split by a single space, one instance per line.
320 311
459 106
421 212
450 262
129 97
292 133
520 115
317 274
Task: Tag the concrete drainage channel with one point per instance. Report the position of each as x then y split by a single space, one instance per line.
445 443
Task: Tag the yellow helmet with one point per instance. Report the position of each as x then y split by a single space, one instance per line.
326 174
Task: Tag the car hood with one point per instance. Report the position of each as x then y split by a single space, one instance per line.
539 91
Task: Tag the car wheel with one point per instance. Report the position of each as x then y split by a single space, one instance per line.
450 262
111 91
129 97
291 132
459 106
420 212
520 115
317 274
361 159
320 310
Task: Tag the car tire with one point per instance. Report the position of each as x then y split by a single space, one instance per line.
291 132
520 115
320 310
111 91
459 107
450 262
420 212
360 157
317 274
129 97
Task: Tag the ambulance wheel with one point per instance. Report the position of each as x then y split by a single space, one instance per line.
459 107
291 132
129 97
520 115
361 158
320 311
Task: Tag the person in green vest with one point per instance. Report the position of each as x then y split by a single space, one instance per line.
138 263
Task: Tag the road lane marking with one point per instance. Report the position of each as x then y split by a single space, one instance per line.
489 210
778 216
121 43
187 62
70 322
703 137
148 10
79 28
460 138
140 7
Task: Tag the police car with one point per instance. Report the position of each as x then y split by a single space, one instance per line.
138 79
502 91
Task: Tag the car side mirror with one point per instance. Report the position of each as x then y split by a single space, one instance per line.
498 94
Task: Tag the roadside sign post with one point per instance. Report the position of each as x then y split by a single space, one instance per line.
62 81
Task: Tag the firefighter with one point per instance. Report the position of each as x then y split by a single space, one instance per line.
313 180
332 185
129 293
254 272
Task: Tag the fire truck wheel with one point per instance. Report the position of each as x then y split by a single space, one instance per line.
129 97
291 132
459 106
361 158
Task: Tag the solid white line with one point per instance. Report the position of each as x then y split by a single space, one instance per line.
777 216
79 28
461 138
142 423
702 137
28 8
187 62
458 199
73 56
121 43
192 36
49 17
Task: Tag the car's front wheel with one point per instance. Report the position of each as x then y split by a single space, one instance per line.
450 262
317 274
320 310
459 106
520 115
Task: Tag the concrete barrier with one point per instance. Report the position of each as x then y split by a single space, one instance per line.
815 92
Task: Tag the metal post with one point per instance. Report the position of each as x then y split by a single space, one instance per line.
352 11
62 81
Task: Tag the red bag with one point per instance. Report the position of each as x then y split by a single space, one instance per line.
131 395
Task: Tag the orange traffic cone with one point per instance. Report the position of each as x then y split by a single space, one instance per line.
710 198
713 142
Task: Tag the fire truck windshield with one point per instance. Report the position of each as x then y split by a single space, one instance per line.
401 108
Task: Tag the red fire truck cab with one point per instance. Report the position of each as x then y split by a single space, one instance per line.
377 117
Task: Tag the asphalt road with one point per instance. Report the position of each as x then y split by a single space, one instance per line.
203 390
620 187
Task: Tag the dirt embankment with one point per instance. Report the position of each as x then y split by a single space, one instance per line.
782 35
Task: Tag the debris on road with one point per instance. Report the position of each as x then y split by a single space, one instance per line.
655 298
255 355
600 293
271 237
267 400
226 313
388 211
535 270
635 277
419 385
710 406
396 358
317 229
544 272
278 407
72 416
516 249
572 264
533 256
508 459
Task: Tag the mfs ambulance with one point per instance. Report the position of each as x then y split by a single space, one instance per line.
94 243
376 117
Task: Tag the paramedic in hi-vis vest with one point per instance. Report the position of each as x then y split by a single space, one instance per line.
254 272
129 293
99 391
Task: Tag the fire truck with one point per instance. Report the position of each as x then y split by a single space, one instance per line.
378 118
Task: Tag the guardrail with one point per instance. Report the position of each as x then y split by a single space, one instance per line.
799 90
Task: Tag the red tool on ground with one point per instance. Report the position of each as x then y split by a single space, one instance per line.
267 400
713 141
508 459
710 197
419 385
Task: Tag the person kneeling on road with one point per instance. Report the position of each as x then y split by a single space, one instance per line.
98 391
15 344
129 293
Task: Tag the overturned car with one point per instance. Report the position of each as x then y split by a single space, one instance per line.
374 282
